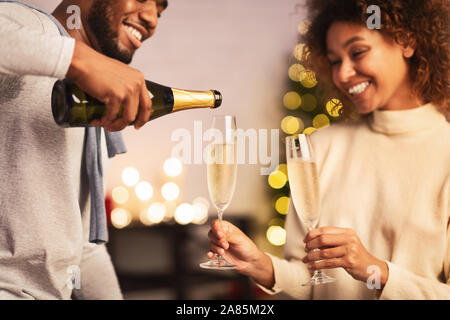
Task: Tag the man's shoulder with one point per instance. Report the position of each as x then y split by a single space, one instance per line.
23 15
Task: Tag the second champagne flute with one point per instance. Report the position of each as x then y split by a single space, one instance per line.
221 173
304 184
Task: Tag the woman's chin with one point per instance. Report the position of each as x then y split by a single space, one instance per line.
364 108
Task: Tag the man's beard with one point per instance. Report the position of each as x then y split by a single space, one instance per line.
100 20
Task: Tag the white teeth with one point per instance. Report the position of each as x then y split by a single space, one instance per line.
359 88
134 32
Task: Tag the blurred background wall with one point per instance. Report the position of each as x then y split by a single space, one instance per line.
241 48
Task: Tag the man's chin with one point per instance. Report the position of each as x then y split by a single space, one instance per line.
122 55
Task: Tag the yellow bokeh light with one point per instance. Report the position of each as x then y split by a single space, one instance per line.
184 213
321 121
292 100
308 80
291 125
283 168
303 26
309 130
309 102
130 176
170 191
276 235
173 167
298 51
282 205
277 179
144 190
333 107
295 72
120 195
120 218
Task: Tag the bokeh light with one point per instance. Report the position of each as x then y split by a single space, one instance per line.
184 213
298 51
283 168
282 205
291 125
144 190
292 100
333 107
303 26
173 167
171 206
120 218
309 130
308 80
277 179
120 195
130 176
201 207
170 191
309 102
296 71
156 212
321 121
276 235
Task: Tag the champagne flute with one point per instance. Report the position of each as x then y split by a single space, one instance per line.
221 174
304 184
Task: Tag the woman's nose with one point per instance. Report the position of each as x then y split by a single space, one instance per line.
346 71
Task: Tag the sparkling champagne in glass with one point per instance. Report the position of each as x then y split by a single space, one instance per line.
304 184
221 174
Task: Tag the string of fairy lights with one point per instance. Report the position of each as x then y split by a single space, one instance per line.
304 113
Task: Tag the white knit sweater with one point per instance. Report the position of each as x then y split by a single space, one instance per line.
387 178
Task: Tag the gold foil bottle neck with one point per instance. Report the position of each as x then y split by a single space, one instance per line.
192 99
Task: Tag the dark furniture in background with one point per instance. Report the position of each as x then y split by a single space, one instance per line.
165 257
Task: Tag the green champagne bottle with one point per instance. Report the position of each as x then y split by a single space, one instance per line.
71 107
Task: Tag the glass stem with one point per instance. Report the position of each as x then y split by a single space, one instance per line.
311 227
220 214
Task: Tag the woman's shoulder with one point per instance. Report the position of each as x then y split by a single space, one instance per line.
337 131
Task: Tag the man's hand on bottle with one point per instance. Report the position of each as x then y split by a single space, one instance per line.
115 84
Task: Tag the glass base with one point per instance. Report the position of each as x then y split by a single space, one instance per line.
218 263
319 277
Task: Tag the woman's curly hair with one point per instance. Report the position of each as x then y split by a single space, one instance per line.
422 24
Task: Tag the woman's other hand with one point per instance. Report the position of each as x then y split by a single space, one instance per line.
341 248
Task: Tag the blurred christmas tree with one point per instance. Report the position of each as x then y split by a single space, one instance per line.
303 112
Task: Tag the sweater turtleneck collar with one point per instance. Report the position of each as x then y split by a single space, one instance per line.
406 121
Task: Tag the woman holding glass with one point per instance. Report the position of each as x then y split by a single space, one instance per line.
384 174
